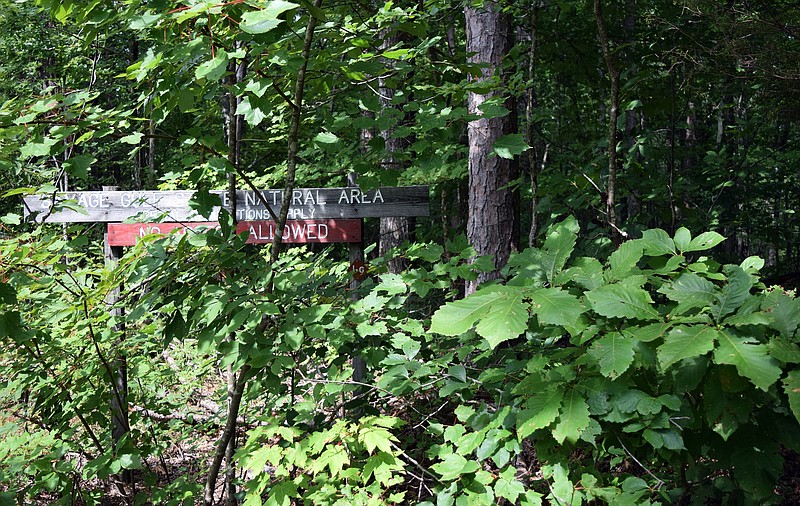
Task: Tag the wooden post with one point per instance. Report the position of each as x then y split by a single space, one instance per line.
356 257
119 390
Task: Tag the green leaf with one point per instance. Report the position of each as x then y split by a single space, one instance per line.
130 461
558 247
620 301
685 342
7 294
213 69
204 202
501 312
326 138
791 385
134 138
784 312
574 418
509 146
541 410
750 359
143 21
625 258
682 239
733 294
508 487
78 166
554 306
11 219
507 318
264 20
689 291
252 114
376 438
657 242
33 148
614 353
704 241
453 466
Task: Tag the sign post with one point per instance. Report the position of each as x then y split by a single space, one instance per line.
119 382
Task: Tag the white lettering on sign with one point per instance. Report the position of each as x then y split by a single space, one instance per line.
91 200
291 231
356 196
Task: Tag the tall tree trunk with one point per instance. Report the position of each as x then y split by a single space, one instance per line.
493 221
613 73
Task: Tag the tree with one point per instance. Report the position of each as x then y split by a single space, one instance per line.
493 223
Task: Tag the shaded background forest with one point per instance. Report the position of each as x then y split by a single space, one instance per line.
706 129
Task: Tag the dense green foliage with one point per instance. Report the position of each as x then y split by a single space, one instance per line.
653 376
662 370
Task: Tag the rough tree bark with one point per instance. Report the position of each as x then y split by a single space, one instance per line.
493 221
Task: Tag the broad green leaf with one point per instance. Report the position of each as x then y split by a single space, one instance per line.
620 301
376 438
326 138
509 146
264 20
557 248
704 241
682 239
457 317
574 418
784 312
506 319
491 109
508 487
78 166
252 114
786 352
34 148
750 358
453 466
733 294
625 258
647 333
541 410
685 342
134 138
752 263
587 272
554 306
791 385
614 353
499 313
143 21
657 242
8 295
130 461
689 291
203 202
214 68
280 494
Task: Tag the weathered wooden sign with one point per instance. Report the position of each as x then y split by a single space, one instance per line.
259 232
173 206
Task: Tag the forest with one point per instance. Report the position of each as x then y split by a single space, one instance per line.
584 291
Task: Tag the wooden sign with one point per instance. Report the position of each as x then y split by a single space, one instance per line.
173 206
259 232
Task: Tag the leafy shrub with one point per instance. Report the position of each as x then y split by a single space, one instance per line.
659 375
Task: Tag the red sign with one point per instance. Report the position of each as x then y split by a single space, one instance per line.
260 232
